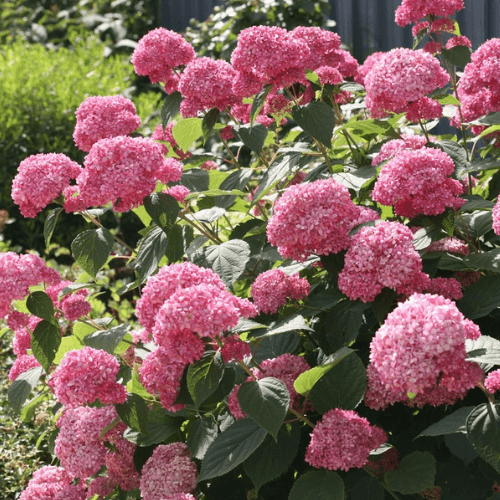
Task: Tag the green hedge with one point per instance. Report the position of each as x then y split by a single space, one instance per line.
40 90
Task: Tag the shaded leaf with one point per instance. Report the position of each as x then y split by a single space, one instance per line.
318 485
45 342
50 224
21 388
317 119
162 208
170 108
450 424
203 377
201 435
209 120
107 340
481 297
134 413
414 474
91 249
40 305
252 136
151 251
258 102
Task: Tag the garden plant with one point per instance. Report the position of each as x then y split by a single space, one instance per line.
316 284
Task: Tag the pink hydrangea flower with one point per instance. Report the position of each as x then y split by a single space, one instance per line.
102 486
40 179
419 27
367 66
433 48
16 320
323 46
458 41
450 245
313 218
421 340
444 24
46 483
120 465
86 375
18 273
401 77
123 170
22 364
417 182
79 445
158 52
467 278
73 305
207 84
449 288
101 117
496 217
167 136
271 289
380 256
209 165
22 336
170 470
393 147
410 11
329 75
234 349
424 109
178 192
492 381
343 440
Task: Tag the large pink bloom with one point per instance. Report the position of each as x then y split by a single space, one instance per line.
410 11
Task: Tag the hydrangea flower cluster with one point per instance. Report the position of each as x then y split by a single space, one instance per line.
18 273
421 340
424 109
22 336
367 66
380 256
411 11
40 180
313 218
122 170
286 368
158 52
343 440
73 306
272 288
417 182
23 363
120 465
401 77
492 381
395 146
479 86
49 483
101 117
86 375
169 471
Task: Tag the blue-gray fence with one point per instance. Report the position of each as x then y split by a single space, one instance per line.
365 26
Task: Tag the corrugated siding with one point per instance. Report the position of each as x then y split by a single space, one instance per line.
366 26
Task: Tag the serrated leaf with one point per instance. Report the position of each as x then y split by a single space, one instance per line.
306 381
276 345
151 251
252 136
160 427
208 215
414 474
276 172
231 448
258 102
162 208
50 224
450 424
266 402
201 435
293 322
40 305
343 386
134 413
203 377
273 458
170 108
209 120
107 340
459 56
475 224
186 131
318 485
228 259
481 297
425 236
21 388
488 261
91 249
483 431
45 342
316 119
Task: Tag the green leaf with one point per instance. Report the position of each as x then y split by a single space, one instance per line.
356 179
483 431
276 345
306 381
201 435
277 171
318 485
481 297
71 343
317 119
160 427
344 321
266 401
252 136
209 120
134 413
50 224
203 377
490 119
452 262
455 151
483 350
488 261
450 424
40 305
162 208
107 340
231 448
175 247
186 131
45 342
415 473
196 180
475 203
91 249
367 487
208 215
475 224
343 386
170 108
237 180
273 458
21 388
290 323
258 102
483 164
151 251
228 259
459 56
